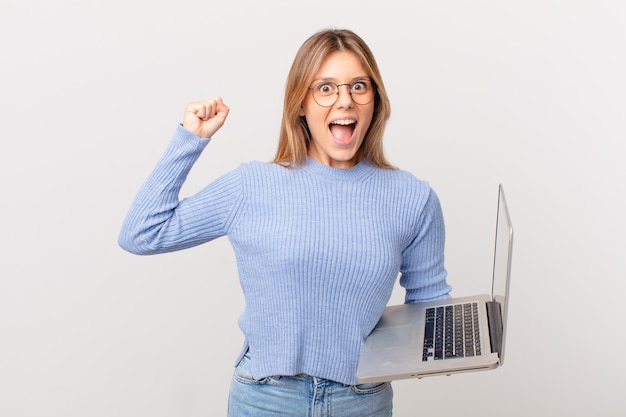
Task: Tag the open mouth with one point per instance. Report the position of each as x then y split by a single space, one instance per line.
342 130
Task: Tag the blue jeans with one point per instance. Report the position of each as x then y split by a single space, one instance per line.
304 396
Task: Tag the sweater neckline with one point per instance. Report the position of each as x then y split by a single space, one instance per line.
358 172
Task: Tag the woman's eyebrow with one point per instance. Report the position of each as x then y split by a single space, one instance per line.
335 80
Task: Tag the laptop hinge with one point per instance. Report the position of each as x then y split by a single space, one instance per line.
494 314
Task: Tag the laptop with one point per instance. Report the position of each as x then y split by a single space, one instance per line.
447 336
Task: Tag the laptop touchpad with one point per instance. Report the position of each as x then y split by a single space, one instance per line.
389 337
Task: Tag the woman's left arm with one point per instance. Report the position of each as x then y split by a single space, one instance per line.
423 271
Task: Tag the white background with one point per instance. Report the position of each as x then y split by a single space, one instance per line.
528 93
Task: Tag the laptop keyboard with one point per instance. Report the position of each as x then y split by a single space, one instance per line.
451 332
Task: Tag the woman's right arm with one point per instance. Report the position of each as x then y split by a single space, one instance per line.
157 221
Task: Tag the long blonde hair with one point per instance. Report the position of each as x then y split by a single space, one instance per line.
294 139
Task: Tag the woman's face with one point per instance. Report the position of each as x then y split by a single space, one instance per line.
337 131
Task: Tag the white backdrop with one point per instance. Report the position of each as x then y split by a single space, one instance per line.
528 93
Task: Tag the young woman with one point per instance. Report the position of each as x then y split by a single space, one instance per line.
320 233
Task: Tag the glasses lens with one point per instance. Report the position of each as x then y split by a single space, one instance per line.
362 92
325 94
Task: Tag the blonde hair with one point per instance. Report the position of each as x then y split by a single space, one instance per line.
294 139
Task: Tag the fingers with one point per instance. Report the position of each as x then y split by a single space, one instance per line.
204 118
221 111
205 109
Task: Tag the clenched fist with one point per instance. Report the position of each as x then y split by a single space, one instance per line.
204 118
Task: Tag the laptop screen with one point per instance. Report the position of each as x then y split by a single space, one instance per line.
502 261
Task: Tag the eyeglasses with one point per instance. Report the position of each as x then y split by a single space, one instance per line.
326 93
